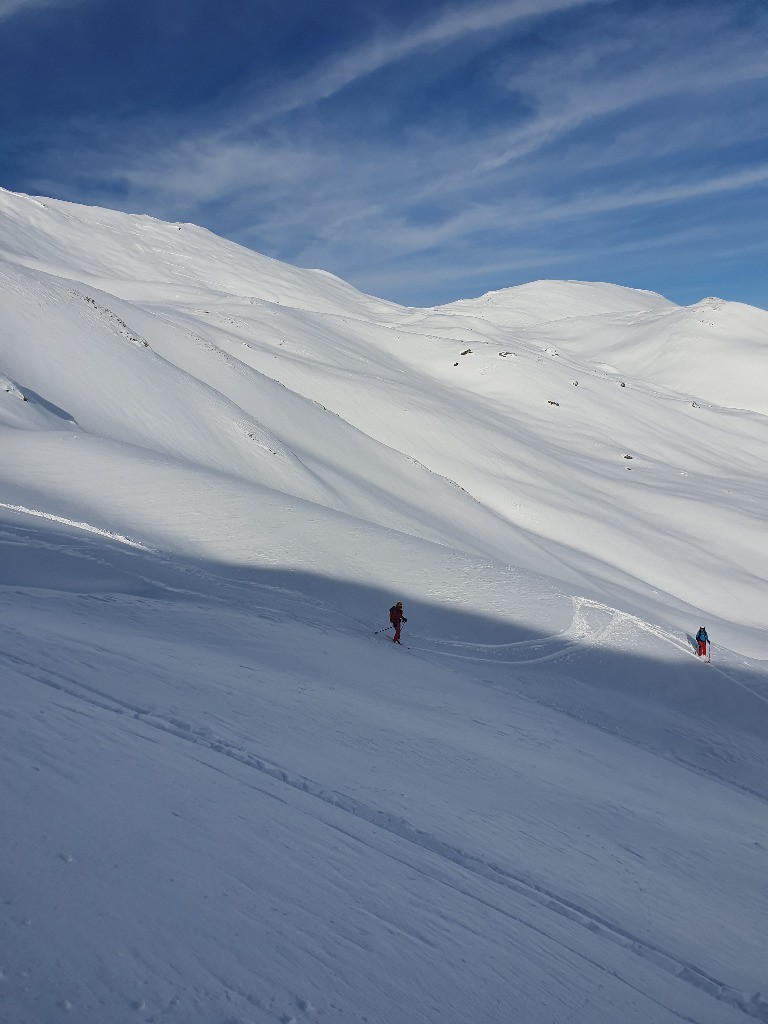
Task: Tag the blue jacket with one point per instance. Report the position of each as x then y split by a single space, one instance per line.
702 635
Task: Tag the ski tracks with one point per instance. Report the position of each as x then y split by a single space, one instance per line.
622 625
594 625
470 865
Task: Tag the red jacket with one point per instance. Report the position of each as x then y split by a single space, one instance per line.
396 615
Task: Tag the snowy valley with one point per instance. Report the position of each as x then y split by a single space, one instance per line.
228 798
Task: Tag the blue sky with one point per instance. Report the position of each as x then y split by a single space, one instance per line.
422 151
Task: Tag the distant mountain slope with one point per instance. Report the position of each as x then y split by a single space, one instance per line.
140 258
597 438
540 302
714 350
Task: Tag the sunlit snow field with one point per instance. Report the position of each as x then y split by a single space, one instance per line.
227 797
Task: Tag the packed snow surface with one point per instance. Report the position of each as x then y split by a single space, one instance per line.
228 797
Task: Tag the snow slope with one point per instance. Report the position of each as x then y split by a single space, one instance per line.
228 799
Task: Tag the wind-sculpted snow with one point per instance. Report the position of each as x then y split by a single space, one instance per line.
11 388
37 514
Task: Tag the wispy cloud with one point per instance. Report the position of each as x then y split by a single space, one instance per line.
451 26
511 218
9 8
682 192
581 121
581 83
594 78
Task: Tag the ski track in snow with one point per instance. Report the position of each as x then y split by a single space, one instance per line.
585 630
109 534
594 625
594 630
754 1006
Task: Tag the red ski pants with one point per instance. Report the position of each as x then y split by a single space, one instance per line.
396 637
702 647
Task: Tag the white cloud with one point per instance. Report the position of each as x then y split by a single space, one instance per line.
565 92
449 27
307 192
746 179
647 64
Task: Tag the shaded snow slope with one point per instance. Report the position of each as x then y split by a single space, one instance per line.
227 800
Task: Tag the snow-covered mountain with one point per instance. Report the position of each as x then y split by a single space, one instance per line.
216 474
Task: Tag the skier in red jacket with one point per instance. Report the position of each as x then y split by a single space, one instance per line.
396 617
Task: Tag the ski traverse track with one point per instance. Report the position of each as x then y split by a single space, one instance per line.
449 865
625 619
594 625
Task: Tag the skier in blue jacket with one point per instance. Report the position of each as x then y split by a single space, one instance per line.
702 640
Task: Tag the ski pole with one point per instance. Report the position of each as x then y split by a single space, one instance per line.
382 630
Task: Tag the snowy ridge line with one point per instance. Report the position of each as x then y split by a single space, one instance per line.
409 458
6 384
109 534
754 1006
120 326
